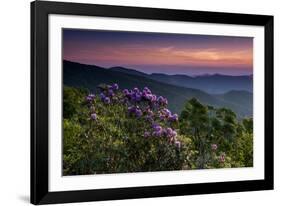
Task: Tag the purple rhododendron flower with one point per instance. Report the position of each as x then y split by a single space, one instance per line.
214 147
162 117
160 99
154 124
158 128
110 92
169 131
167 112
106 100
126 92
136 90
146 134
145 89
153 98
171 134
138 113
137 97
90 97
102 96
115 86
94 116
173 117
147 96
157 133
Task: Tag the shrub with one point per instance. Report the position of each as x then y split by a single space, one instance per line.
120 131
132 130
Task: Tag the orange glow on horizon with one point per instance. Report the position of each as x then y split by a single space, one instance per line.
173 56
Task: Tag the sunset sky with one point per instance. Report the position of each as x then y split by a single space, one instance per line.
160 52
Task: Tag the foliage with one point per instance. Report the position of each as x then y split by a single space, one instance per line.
120 131
220 140
134 131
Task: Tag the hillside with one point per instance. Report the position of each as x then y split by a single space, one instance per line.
86 76
244 104
214 84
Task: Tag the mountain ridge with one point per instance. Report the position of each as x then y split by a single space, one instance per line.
211 83
90 76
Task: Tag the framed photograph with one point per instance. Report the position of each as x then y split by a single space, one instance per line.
133 102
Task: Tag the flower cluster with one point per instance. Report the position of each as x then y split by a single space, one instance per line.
142 104
166 114
108 93
136 95
135 110
159 131
90 97
162 101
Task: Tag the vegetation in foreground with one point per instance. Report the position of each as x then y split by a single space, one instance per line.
134 131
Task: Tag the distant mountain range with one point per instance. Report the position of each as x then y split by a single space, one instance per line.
177 88
213 84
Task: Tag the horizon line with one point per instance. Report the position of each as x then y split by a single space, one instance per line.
133 69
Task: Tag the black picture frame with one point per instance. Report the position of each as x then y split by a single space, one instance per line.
39 102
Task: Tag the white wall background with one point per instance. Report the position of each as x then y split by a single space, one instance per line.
14 102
